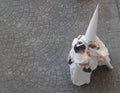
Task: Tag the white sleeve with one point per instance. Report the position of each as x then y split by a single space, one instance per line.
74 42
103 50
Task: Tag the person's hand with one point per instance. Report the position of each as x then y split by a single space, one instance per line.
100 58
92 46
88 53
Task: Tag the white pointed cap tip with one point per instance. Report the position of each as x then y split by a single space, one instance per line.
92 28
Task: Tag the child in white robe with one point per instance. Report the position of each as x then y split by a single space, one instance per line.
81 65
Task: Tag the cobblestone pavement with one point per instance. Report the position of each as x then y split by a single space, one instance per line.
36 36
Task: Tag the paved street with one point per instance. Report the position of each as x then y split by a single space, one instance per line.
35 39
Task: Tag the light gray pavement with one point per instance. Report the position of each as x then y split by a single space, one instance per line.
35 39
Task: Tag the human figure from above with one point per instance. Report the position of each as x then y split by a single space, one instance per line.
87 52
80 64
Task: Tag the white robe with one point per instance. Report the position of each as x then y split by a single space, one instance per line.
78 76
104 52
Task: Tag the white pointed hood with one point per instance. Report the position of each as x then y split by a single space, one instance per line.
92 28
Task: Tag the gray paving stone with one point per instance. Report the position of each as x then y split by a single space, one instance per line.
118 1
35 39
107 1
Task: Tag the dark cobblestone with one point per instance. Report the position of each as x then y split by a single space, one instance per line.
36 36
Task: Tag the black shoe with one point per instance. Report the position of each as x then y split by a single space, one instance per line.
87 70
